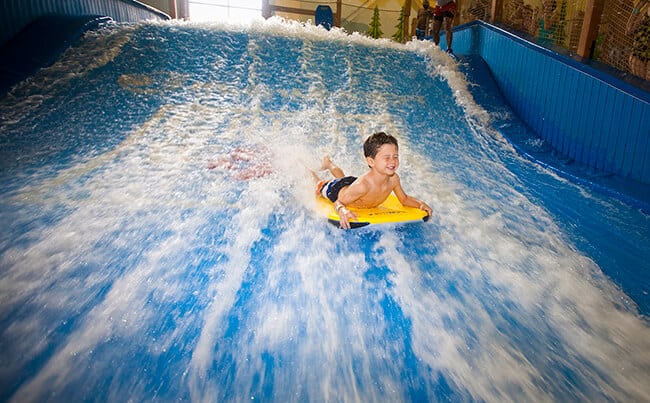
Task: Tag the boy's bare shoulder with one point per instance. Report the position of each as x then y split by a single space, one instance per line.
362 184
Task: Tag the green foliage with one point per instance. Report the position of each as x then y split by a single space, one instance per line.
398 36
374 31
600 40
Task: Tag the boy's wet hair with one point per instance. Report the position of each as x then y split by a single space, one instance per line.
374 142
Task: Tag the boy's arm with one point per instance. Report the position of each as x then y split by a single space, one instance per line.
348 195
409 201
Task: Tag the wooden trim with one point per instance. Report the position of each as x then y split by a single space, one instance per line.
292 10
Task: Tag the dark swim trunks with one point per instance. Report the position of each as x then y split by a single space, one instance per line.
332 188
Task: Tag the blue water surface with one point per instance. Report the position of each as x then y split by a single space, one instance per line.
161 239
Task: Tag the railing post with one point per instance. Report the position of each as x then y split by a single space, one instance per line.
495 11
172 9
266 9
407 26
337 15
590 24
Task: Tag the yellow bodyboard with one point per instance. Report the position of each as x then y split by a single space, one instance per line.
390 211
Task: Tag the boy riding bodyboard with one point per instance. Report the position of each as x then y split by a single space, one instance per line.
372 188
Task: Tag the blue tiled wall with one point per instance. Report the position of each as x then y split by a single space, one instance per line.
16 14
585 114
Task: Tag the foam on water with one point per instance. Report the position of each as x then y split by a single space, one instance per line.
161 240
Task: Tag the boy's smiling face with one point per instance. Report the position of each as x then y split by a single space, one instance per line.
386 161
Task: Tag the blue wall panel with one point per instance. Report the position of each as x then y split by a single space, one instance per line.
583 113
16 14
642 159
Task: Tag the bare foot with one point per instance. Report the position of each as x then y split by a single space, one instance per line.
327 164
333 168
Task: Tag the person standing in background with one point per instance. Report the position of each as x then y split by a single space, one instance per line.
425 15
444 12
